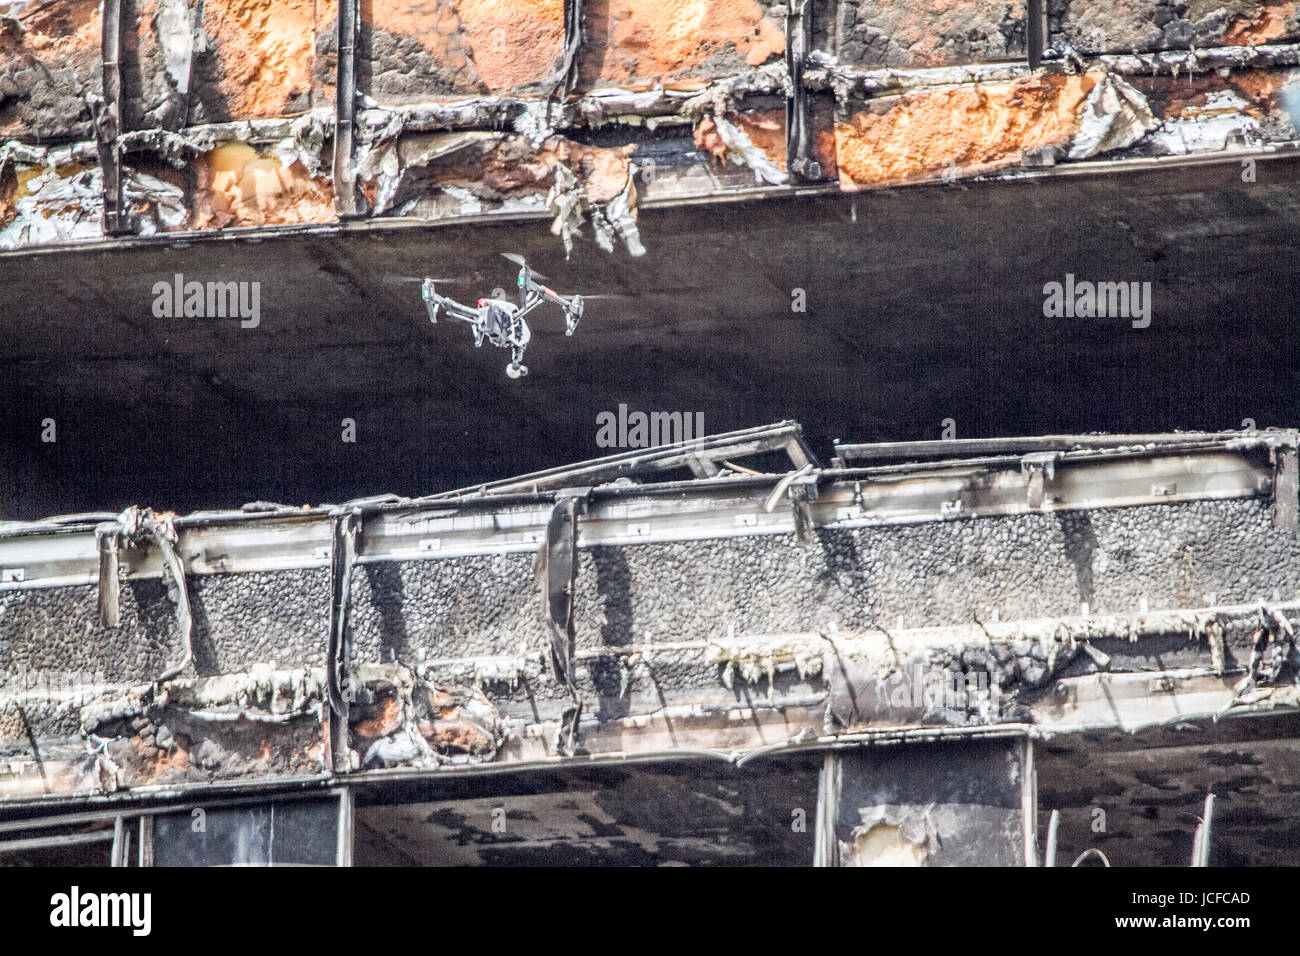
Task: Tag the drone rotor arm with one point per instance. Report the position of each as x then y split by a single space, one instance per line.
459 312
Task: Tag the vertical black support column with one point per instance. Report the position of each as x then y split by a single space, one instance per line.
345 89
108 119
798 134
1035 31
955 803
567 75
345 529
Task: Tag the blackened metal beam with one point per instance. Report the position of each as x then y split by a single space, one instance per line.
567 75
783 436
346 202
1035 32
344 529
798 110
108 119
920 450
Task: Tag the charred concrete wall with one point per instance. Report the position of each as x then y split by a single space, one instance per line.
449 654
49 62
1132 25
927 575
874 33
469 107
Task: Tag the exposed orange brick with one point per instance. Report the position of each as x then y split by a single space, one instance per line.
1266 26
485 45
513 42
54 28
915 136
639 43
265 50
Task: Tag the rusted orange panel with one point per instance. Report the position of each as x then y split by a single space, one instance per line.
453 721
1173 96
972 128
49 60
1261 88
637 44
603 172
766 130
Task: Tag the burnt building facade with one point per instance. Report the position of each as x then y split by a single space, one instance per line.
919 229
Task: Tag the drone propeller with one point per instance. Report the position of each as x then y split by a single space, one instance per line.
394 279
519 260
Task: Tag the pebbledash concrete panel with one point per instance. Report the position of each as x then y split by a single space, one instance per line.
1161 557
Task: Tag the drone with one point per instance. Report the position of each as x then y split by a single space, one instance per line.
501 321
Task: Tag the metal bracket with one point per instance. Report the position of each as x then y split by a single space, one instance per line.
556 567
798 134
1038 469
133 526
803 491
702 467
800 487
557 571
108 541
1286 487
1201 837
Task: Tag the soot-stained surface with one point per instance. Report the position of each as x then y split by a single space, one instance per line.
690 813
923 304
1139 800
